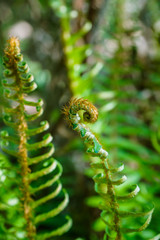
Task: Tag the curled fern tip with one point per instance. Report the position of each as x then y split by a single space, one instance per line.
71 111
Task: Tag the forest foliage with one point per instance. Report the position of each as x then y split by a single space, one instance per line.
109 53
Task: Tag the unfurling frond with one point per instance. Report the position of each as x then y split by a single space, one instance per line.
104 173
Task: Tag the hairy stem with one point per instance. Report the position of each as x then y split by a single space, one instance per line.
11 52
24 168
113 203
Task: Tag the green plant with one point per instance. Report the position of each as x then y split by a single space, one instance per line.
75 50
77 112
124 98
125 40
39 172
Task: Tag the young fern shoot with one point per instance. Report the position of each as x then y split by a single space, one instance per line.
41 171
105 181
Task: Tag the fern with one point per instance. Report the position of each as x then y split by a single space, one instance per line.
75 50
18 83
104 174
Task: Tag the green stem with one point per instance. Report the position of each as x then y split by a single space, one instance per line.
22 158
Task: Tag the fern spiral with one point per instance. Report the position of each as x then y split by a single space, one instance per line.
18 83
105 181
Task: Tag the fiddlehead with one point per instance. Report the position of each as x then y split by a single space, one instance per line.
18 83
105 181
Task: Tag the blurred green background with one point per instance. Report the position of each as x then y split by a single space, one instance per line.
107 51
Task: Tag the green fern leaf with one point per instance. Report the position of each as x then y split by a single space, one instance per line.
18 83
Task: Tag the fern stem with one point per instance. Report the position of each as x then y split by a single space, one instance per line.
25 170
11 52
113 203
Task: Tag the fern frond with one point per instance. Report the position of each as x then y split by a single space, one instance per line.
75 49
104 173
18 83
